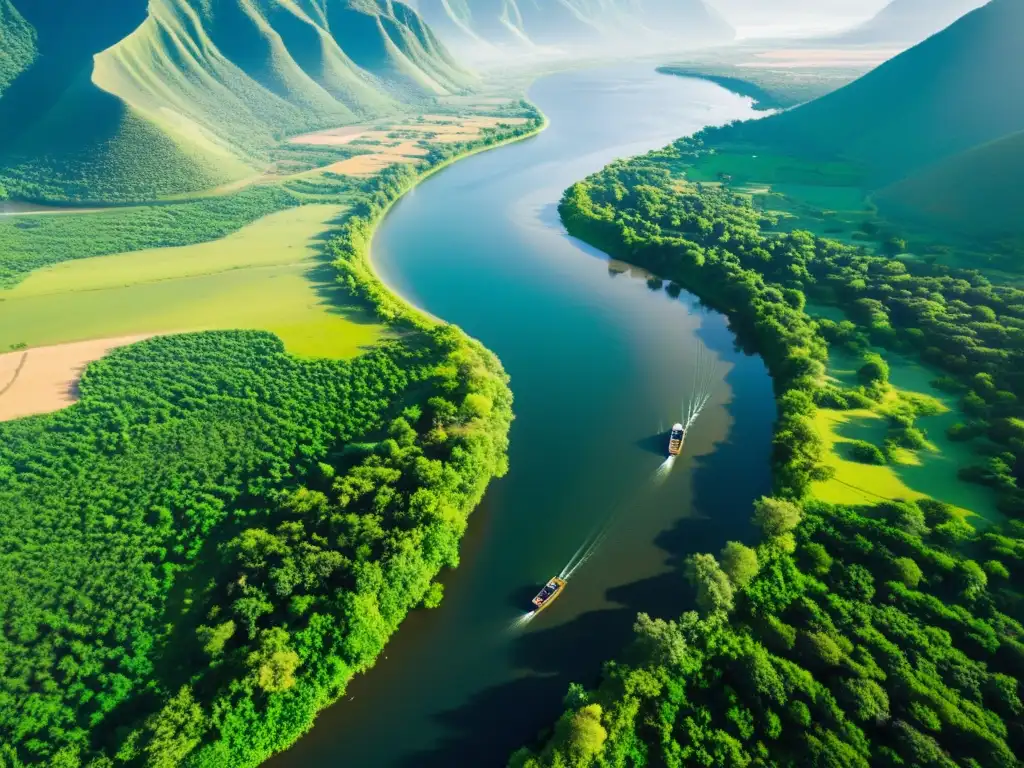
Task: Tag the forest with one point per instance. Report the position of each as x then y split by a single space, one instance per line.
199 555
887 634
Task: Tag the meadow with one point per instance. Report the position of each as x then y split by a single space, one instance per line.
270 276
930 472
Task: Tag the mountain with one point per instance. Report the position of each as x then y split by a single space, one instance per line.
974 192
909 21
129 100
953 92
479 27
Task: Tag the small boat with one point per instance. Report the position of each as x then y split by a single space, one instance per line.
547 595
675 440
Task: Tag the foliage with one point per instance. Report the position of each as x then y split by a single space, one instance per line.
884 677
17 47
866 452
207 545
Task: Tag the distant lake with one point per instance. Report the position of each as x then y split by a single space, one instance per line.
601 365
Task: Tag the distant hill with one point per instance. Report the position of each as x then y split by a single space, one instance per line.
129 101
974 192
479 26
910 21
955 91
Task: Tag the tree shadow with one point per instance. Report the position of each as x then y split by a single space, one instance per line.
336 299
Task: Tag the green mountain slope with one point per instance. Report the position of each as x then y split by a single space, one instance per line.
192 93
475 25
978 191
952 92
910 21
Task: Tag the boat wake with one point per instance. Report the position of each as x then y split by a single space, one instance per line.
522 621
661 473
705 372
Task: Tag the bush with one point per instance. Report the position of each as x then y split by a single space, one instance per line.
866 453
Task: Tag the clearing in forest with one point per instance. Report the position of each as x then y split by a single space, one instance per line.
270 275
930 472
45 379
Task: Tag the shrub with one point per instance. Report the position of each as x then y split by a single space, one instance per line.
866 453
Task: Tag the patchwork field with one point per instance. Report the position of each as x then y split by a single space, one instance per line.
270 275
931 472
403 141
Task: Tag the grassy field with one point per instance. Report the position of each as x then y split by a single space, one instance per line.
268 276
931 472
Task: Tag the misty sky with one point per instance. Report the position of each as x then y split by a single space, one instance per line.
755 17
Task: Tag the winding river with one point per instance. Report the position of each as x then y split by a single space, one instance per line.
600 366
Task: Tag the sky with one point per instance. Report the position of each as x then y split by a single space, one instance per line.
783 18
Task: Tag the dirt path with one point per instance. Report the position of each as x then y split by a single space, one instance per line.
45 379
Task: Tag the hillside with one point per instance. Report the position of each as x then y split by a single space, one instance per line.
942 97
476 27
188 94
974 191
910 21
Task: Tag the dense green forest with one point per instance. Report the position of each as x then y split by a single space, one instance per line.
887 634
198 556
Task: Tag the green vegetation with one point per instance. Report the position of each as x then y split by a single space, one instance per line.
869 637
184 96
224 534
855 635
769 88
17 46
271 275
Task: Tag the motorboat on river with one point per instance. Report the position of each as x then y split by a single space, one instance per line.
675 440
548 595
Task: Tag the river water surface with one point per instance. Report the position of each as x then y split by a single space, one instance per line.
600 366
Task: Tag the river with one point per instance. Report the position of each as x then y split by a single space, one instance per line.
600 365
